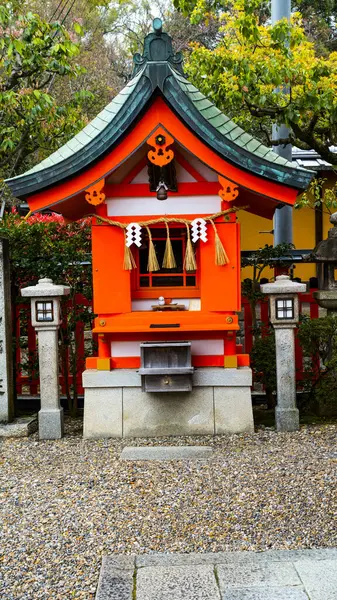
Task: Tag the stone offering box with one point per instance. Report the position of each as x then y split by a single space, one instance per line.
166 366
163 172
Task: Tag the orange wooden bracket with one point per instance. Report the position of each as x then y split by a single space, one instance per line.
159 141
94 194
230 190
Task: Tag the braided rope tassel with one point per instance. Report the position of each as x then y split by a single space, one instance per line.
189 261
152 263
169 261
221 257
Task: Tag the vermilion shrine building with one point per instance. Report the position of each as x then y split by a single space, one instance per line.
163 171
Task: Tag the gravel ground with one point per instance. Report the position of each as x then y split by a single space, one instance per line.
64 503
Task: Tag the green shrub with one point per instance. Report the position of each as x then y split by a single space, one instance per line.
318 338
263 361
47 246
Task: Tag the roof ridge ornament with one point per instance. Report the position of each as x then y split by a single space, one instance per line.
157 49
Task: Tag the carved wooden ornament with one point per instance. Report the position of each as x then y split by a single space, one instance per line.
160 141
94 194
230 190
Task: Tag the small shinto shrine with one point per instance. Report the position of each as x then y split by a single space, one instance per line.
163 173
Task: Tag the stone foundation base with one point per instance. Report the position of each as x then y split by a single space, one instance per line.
287 419
115 406
50 423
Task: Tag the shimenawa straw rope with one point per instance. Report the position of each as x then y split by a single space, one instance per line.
221 257
152 263
189 261
169 262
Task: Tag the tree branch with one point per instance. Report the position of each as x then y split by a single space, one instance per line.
308 137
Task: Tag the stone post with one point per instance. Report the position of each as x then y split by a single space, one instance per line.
6 350
45 309
284 313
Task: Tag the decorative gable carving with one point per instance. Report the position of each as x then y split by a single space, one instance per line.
94 194
230 190
160 154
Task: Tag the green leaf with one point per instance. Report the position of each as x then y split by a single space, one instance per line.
78 29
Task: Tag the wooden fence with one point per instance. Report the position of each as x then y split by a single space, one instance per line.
27 381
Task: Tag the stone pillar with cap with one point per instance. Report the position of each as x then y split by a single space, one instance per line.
284 315
325 254
45 314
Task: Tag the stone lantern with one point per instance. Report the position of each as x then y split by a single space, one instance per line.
46 319
284 314
326 253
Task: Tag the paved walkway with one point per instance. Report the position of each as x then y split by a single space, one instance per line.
274 575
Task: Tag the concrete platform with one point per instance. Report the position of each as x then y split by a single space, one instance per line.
115 406
274 575
19 427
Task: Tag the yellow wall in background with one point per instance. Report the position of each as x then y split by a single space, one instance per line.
303 231
251 225
326 224
304 237
251 239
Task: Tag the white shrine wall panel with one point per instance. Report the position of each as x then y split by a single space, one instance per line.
199 166
142 176
183 176
174 205
198 348
123 170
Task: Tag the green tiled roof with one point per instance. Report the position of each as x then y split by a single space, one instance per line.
159 71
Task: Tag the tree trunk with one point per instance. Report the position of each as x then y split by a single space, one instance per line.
270 398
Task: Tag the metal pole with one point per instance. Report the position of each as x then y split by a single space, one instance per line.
280 9
283 218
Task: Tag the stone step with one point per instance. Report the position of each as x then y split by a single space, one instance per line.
166 452
117 578
272 575
19 427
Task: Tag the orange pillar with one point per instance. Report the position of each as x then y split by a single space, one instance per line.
230 358
103 346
